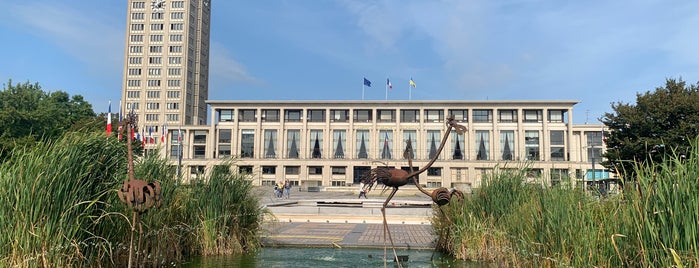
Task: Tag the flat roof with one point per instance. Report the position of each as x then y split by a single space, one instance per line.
363 102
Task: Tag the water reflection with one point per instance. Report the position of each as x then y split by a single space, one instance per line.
327 257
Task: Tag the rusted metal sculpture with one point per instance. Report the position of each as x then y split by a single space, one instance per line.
138 195
393 177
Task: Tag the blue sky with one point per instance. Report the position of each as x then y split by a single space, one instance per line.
596 52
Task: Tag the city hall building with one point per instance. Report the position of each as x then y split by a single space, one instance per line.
334 143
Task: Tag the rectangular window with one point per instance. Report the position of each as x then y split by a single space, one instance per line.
483 144
507 116
316 143
293 141
174 71
173 83
362 144
247 115
594 146
176 26
269 170
177 15
460 115
138 5
531 144
339 170
363 116
410 136
507 145
137 27
153 94
315 170
270 115
136 38
224 136
458 146
292 115
292 170
339 143
174 60
339 115
533 116
556 116
173 94
557 145
433 140
199 137
152 106
136 49
133 94
387 116
135 60
173 106
316 115
151 117
410 116
156 27
270 143
224 150
153 71
154 83
225 115
386 141
247 143
434 116
134 71
175 49
155 60
434 171
482 116
199 151
175 38
177 4
156 38
156 16
137 16
173 117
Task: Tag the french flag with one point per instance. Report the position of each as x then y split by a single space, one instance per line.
109 119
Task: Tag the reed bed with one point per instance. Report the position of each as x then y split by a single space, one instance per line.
652 223
59 208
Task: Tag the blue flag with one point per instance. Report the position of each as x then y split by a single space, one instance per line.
367 82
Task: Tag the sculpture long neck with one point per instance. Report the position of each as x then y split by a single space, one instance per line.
129 139
429 164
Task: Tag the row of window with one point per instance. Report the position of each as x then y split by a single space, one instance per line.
315 147
142 5
156 26
389 115
155 71
152 94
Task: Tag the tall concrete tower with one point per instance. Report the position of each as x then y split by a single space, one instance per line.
166 62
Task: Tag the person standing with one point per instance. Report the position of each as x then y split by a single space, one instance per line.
280 192
362 191
287 188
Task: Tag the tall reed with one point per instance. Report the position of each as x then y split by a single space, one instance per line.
59 208
49 196
511 222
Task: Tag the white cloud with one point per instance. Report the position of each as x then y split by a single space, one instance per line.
224 67
87 35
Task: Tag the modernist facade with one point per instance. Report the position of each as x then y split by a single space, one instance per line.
333 143
166 62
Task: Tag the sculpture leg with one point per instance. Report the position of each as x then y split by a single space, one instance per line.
385 229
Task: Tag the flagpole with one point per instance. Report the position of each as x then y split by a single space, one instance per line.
386 88
362 90
410 91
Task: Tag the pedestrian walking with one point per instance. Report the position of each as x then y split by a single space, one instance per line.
287 188
280 189
362 191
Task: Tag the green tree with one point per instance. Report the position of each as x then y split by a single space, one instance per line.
29 115
661 122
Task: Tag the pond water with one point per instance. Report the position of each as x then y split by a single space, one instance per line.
328 257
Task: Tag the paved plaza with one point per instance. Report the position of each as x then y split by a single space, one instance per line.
339 219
